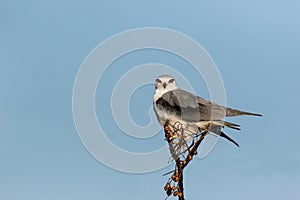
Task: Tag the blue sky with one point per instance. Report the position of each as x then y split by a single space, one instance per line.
255 44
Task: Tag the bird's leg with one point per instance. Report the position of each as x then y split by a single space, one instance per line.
208 126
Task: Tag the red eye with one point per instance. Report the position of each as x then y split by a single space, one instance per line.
158 81
171 80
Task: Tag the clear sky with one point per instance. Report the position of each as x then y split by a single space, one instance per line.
255 45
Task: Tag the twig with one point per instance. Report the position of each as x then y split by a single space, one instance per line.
180 164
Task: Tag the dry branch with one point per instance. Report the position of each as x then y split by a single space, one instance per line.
181 163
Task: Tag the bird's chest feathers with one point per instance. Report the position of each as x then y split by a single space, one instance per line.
162 113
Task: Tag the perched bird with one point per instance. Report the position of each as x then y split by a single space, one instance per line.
176 106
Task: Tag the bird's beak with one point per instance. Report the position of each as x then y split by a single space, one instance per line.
165 85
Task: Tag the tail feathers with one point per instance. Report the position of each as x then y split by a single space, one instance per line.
233 112
217 129
232 125
228 138
228 124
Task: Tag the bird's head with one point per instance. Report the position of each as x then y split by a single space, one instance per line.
165 83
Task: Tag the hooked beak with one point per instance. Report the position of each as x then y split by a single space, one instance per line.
165 85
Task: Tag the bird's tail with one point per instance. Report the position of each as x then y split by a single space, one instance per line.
229 139
217 129
233 112
228 124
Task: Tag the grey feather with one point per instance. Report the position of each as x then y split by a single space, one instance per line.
194 108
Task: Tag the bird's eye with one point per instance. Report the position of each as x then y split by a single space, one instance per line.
171 80
158 81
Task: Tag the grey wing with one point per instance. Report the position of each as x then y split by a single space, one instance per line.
216 112
211 110
190 107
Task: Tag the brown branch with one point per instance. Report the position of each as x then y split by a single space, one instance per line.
180 164
180 179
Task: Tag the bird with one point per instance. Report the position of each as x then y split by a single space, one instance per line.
191 112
